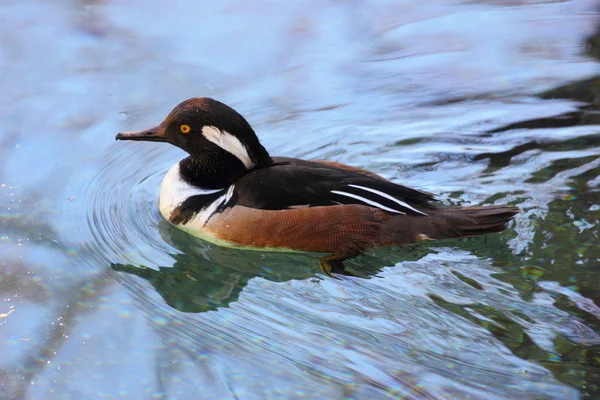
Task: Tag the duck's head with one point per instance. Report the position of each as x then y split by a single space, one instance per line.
207 129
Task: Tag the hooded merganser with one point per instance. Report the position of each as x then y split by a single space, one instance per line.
231 192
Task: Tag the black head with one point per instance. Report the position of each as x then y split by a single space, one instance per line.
203 126
221 143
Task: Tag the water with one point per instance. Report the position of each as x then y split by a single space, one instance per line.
481 102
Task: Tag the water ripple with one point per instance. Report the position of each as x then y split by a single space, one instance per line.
432 326
122 209
453 111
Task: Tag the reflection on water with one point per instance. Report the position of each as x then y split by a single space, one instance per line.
205 277
482 102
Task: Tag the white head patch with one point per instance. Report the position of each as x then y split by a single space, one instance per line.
229 143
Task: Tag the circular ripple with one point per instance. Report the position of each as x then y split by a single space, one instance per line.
122 207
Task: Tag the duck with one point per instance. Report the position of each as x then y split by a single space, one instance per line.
230 191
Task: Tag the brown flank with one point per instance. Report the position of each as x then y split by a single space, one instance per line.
350 229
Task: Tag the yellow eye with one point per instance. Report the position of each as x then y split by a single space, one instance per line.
185 129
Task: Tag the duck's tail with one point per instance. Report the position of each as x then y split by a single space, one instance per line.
451 222
478 220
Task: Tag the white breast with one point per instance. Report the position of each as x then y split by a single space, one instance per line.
174 191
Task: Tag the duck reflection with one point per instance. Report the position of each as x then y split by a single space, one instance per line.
206 277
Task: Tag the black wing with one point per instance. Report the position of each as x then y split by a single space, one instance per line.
292 183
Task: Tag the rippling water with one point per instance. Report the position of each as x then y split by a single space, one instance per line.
482 102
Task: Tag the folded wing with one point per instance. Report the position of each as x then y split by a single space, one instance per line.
293 184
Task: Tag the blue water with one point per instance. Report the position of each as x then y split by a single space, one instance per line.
480 101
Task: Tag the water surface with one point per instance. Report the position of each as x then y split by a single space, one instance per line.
483 102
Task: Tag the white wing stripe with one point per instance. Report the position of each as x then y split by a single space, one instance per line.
387 196
370 202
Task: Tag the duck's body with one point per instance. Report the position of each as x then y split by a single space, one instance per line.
232 192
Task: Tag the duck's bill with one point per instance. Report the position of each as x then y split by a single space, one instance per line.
156 134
